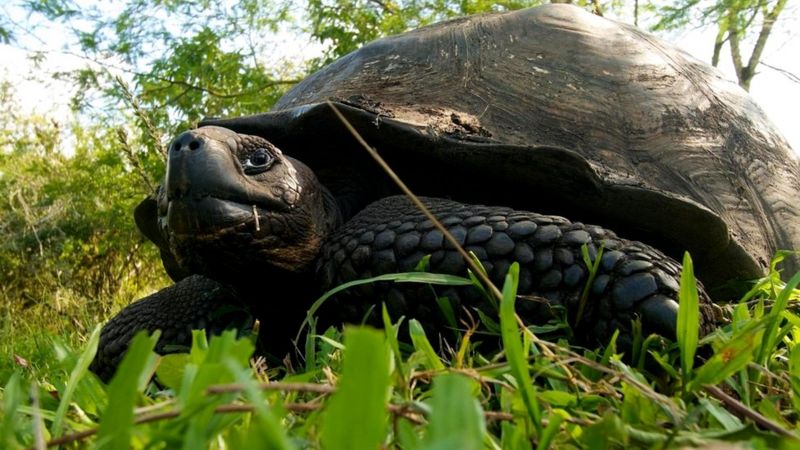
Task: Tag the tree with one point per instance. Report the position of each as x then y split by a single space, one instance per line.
184 59
65 220
736 21
345 25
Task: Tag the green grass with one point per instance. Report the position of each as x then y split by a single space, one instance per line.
365 389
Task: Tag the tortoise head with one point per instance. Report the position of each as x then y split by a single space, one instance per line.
233 204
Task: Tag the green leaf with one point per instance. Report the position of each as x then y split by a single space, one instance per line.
794 371
664 363
557 417
423 264
558 398
12 398
208 366
391 331
489 323
770 338
601 434
199 346
728 421
514 435
78 372
407 436
356 416
592 266
688 318
311 347
611 348
333 343
513 348
637 408
264 430
477 283
170 370
134 371
447 311
729 359
457 420
421 344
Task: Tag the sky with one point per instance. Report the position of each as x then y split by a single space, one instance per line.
777 93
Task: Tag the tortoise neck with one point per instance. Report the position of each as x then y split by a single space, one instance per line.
334 211
349 190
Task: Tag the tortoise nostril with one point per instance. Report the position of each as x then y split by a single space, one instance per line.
194 145
177 147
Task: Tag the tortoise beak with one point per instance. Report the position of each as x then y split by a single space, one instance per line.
206 187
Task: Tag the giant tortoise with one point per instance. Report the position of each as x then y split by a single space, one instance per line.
554 110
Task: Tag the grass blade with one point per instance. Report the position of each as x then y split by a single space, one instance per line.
12 398
770 338
265 430
688 318
78 372
407 436
310 355
422 344
391 338
794 371
557 417
356 415
457 420
732 357
513 348
592 266
116 425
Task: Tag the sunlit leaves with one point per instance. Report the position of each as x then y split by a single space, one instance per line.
688 318
517 358
457 418
345 25
66 219
186 59
735 21
356 417
134 372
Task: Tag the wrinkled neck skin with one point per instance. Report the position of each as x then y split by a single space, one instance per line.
291 241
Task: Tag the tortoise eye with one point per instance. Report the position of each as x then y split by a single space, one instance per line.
258 162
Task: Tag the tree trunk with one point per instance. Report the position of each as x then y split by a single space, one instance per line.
745 73
719 41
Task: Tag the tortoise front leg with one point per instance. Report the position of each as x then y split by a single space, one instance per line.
193 303
633 280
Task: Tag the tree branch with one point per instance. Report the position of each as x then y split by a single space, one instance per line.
784 72
733 40
387 8
596 9
719 41
219 94
769 20
183 83
743 412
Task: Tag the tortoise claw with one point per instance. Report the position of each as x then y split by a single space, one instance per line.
659 315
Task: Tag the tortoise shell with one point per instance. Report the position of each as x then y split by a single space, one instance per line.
555 110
